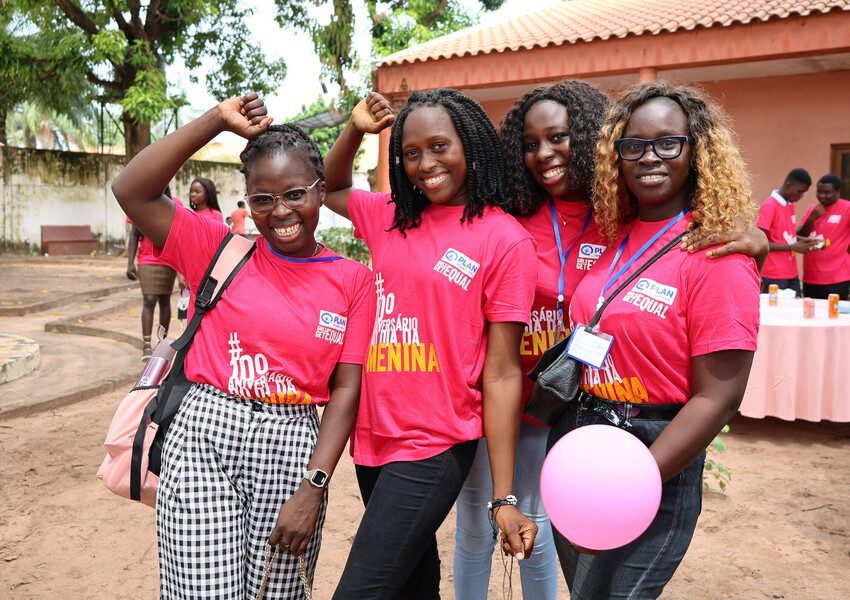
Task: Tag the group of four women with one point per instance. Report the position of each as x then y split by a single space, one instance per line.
433 344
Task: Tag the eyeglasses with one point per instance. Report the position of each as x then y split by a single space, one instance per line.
666 148
263 203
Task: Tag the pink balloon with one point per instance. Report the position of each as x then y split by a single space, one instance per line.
601 487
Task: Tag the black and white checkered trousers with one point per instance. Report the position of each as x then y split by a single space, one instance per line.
227 467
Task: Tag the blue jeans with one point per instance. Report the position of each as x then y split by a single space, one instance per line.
641 569
474 537
394 554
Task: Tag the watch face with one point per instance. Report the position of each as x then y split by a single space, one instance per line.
319 478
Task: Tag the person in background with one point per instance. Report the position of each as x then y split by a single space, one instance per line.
778 220
203 199
156 279
237 219
826 269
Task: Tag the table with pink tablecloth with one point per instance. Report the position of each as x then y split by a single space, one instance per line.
801 367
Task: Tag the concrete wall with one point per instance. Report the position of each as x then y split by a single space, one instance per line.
44 187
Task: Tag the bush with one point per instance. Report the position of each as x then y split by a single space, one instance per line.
342 241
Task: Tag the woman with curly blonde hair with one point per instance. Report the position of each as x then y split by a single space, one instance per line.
684 331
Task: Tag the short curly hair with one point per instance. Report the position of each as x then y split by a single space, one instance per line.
719 191
481 147
586 106
285 137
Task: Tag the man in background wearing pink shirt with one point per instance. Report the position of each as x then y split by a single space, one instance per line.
238 217
826 270
778 221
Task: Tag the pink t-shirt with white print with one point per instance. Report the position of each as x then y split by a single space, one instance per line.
543 330
281 326
832 264
777 218
684 305
435 291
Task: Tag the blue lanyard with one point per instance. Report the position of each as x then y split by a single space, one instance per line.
562 254
609 280
304 260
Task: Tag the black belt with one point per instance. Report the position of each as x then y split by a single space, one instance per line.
620 413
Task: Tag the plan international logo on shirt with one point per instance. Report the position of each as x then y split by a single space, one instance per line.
457 267
331 327
587 255
834 219
651 296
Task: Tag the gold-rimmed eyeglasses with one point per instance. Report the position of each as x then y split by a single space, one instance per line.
263 203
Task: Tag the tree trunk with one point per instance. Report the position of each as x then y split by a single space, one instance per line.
3 140
137 135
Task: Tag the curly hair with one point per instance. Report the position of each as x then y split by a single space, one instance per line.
285 137
212 194
719 186
481 147
586 107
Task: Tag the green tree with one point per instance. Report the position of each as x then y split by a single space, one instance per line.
122 47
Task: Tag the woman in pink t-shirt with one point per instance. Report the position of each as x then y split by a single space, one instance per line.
454 280
203 199
684 332
245 466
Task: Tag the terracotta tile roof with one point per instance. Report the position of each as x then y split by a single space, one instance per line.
571 21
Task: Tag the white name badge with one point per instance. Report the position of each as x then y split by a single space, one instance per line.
589 348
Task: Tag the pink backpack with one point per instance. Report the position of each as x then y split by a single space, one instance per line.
135 436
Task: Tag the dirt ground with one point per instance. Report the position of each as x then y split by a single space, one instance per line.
782 529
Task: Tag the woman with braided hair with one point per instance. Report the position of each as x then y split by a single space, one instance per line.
454 278
245 465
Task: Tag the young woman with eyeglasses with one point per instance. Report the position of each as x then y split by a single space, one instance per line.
245 466
684 333
454 277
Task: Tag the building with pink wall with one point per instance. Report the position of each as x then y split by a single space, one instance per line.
780 68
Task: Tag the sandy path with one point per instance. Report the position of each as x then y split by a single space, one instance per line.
782 530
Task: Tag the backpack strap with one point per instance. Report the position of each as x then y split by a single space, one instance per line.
230 257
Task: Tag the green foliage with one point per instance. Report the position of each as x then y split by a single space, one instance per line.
323 136
713 469
403 24
117 50
342 241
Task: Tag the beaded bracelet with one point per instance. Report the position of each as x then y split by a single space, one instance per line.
509 500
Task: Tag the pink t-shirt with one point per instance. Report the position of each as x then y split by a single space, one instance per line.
682 306
238 217
435 292
281 326
145 255
211 214
832 264
777 218
542 332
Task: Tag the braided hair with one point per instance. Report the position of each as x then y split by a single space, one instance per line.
481 147
209 188
285 137
586 107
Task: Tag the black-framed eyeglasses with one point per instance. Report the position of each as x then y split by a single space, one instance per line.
263 203
667 147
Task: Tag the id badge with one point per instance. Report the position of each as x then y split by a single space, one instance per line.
589 348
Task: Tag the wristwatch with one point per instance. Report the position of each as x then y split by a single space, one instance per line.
317 478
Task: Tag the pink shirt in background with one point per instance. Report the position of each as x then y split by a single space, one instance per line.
435 292
777 218
832 264
238 217
682 306
540 334
145 254
281 326
211 214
